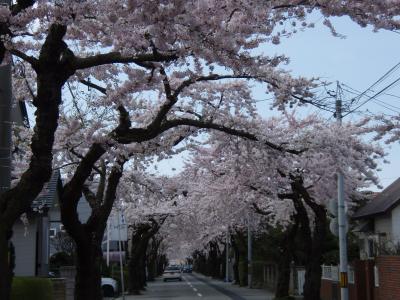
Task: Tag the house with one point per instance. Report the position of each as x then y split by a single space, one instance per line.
55 224
33 240
376 275
379 223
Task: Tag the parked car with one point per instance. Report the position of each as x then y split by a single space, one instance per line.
109 287
172 273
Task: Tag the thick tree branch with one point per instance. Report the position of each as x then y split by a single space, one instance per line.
90 196
236 132
143 60
93 85
29 59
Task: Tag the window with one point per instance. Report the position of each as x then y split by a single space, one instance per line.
62 228
335 273
371 248
52 232
351 275
326 272
376 276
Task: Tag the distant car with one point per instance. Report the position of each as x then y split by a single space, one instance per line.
187 269
109 287
172 273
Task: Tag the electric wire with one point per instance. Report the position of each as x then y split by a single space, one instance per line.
379 80
388 106
374 96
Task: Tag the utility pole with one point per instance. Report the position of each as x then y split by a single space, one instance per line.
108 242
120 255
5 127
227 256
5 120
344 292
249 252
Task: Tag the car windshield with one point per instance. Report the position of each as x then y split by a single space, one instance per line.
172 269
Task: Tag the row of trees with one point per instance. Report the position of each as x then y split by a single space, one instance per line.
114 84
231 178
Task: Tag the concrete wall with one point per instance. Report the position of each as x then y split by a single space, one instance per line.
24 240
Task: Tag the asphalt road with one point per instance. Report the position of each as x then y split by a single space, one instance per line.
198 287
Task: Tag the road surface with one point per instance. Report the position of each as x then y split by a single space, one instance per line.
198 287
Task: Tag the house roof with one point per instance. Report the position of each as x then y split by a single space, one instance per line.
382 203
48 194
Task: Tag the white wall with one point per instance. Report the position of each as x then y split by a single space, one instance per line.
383 224
25 248
396 224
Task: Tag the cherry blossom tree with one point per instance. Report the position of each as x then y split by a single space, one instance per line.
162 51
288 189
147 202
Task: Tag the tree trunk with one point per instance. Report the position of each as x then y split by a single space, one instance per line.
137 263
5 267
287 255
88 272
136 266
236 263
143 277
314 242
152 258
312 284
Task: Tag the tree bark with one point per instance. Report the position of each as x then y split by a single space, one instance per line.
137 267
314 241
6 267
88 237
236 263
287 255
51 76
88 271
312 284
152 258
137 263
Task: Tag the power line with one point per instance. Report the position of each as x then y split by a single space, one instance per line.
386 105
354 91
382 78
374 96
383 104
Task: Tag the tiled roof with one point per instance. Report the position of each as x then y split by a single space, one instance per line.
382 203
48 194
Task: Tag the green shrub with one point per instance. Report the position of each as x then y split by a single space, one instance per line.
258 274
61 259
242 273
32 288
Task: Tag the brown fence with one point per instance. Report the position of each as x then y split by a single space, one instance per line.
377 279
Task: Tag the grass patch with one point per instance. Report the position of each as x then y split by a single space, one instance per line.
32 288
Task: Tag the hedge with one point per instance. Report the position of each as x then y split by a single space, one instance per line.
32 288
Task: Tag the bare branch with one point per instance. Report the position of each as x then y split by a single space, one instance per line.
93 85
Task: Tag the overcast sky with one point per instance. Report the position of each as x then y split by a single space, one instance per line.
357 60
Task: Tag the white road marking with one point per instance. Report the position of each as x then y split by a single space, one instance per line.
194 289
200 295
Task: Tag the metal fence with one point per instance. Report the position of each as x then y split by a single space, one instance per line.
332 273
